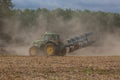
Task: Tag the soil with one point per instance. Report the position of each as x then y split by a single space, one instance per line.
59 68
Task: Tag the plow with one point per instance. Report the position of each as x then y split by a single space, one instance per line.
79 42
52 45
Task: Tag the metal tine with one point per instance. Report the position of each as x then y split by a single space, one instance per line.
81 38
75 40
71 41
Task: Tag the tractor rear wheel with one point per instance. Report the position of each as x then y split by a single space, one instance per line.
50 49
33 51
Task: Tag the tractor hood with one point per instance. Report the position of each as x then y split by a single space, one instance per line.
38 43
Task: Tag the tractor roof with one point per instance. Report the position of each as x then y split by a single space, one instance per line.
50 33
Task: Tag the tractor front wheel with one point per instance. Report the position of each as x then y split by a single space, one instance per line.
33 51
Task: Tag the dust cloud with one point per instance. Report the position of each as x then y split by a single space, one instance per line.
109 45
106 43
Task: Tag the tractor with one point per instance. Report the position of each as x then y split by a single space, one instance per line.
52 45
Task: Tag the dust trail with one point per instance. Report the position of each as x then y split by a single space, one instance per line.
109 45
21 39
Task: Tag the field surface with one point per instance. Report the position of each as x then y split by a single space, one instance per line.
59 68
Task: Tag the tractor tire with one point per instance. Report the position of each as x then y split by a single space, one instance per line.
50 49
33 51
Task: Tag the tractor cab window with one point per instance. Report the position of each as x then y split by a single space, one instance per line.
56 37
51 37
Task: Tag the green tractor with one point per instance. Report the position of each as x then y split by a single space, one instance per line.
50 45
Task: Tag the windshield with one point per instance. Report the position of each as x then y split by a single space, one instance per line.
51 37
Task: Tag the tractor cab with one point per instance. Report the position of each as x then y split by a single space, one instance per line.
51 36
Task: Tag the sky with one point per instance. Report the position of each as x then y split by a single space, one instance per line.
94 5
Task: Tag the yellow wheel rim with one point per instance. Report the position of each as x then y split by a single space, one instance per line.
33 51
50 50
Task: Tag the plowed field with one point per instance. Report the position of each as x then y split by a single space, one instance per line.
59 68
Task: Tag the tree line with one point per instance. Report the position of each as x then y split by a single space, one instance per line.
106 21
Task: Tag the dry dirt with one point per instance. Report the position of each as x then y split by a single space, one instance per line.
60 68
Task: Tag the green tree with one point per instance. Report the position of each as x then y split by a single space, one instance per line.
28 18
6 7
